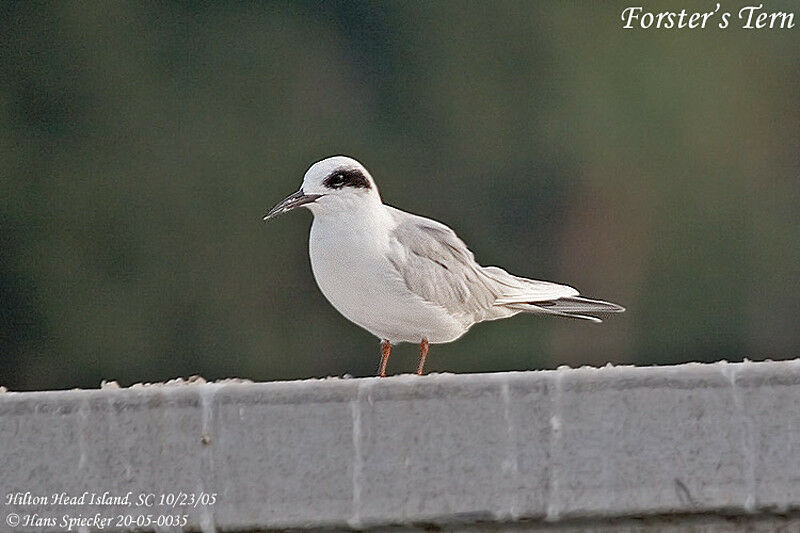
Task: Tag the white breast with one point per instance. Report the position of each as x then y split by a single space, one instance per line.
349 260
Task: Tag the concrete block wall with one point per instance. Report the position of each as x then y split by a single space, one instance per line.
571 449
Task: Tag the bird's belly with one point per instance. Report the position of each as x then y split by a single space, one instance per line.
365 289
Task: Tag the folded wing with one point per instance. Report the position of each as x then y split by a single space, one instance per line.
438 267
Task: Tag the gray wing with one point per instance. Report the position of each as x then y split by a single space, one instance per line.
438 267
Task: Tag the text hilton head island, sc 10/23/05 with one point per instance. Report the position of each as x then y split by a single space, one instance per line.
129 499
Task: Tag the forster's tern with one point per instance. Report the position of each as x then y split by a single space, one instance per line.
406 278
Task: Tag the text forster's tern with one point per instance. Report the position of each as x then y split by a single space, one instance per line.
407 278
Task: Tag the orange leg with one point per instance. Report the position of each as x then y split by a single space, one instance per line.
423 353
386 351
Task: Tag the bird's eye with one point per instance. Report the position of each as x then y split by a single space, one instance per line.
346 178
336 181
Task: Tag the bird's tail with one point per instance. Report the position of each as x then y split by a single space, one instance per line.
571 307
545 297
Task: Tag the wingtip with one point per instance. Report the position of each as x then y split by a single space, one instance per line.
590 318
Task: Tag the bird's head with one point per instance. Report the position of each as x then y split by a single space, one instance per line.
333 184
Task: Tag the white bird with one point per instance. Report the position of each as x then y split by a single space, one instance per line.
407 278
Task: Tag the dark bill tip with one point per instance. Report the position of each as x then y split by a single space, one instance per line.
290 202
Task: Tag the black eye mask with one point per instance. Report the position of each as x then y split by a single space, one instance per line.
347 178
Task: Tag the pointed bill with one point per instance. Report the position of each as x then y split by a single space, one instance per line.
290 202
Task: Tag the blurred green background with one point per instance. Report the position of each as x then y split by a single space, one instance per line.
141 143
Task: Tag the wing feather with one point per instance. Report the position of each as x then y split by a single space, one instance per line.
439 268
